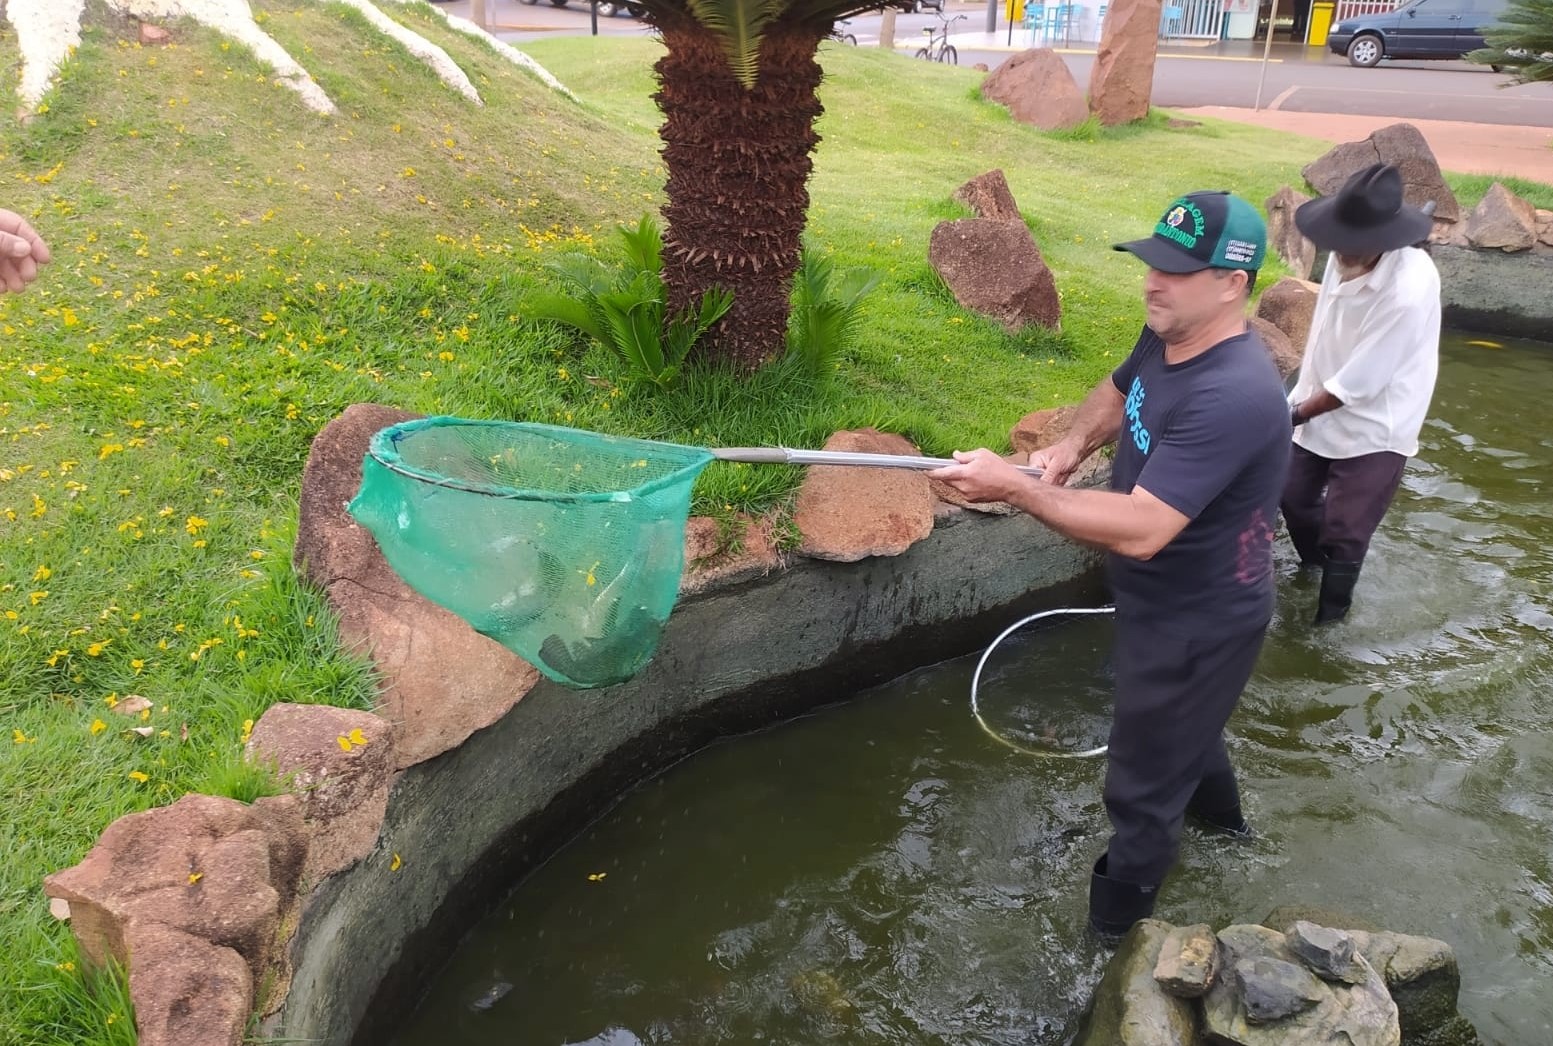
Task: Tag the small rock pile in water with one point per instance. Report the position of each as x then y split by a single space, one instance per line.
1306 984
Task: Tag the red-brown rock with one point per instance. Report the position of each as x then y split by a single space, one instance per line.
1290 305
1284 355
950 500
342 784
187 991
1284 237
846 514
1042 428
1121 81
703 539
153 34
1545 227
1038 90
1399 144
1503 221
410 640
210 867
990 197
713 559
995 268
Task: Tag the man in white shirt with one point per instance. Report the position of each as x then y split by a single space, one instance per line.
1367 377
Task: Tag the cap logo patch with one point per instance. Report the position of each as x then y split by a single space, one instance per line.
1172 227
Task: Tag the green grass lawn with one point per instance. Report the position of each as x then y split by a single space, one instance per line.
232 271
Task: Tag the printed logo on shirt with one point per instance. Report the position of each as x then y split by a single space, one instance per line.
1254 550
1133 410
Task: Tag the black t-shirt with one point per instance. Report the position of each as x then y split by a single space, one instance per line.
1210 437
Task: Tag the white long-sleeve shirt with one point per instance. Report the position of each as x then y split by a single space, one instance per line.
1374 344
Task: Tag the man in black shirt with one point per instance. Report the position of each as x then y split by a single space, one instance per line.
1202 431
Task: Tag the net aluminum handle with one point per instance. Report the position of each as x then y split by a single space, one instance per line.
784 456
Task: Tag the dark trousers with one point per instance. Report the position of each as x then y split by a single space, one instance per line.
1173 697
1332 506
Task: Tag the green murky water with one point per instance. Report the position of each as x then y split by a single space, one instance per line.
882 872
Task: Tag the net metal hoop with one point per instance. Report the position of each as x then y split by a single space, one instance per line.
381 450
1088 753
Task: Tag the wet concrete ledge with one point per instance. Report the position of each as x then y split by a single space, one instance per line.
1493 292
471 823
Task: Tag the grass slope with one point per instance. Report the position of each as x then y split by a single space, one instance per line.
232 271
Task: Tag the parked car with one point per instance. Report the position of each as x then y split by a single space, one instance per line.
607 9
1421 29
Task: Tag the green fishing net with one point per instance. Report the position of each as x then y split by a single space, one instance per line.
564 546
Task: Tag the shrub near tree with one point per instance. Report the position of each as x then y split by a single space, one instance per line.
1522 42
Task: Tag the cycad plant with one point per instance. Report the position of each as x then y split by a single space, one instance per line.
738 89
625 310
1521 42
825 318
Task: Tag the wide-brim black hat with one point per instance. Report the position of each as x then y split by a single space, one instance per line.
1365 216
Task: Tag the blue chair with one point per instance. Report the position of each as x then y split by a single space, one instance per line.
1059 20
1034 20
1172 20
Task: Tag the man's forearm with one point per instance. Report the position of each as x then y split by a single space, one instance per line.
1318 403
1100 518
1098 421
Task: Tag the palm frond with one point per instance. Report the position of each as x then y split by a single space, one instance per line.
582 272
643 247
826 313
740 24
571 312
633 325
686 329
1521 42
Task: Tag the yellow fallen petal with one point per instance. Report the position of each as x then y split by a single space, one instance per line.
357 737
195 877
344 742
136 775
395 864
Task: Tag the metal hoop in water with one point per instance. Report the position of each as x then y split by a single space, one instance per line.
1089 753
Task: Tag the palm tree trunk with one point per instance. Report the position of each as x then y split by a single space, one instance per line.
738 163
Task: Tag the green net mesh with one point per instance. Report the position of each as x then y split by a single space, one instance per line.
564 546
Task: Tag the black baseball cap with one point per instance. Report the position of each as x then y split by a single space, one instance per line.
1204 230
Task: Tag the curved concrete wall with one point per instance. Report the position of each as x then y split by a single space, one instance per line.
470 823
1496 293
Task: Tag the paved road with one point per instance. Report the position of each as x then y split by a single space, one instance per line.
1302 80
1298 79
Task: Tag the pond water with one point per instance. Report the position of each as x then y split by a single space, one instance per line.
883 872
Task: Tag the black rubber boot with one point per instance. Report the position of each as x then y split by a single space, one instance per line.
1216 804
1114 905
1307 542
1228 822
1337 585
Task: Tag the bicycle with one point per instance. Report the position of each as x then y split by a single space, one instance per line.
938 48
838 32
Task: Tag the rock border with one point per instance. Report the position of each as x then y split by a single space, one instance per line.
1303 976
323 908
